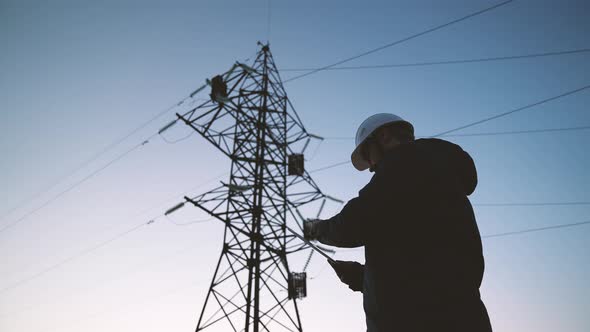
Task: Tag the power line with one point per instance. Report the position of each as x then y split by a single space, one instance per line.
530 230
92 159
108 309
177 140
95 157
445 133
515 132
449 62
72 257
532 204
111 162
571 92
142 265
523 231
187 223
103 243
438 27
330 166
493 133
185 192
74 185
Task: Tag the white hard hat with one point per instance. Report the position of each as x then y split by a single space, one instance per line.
365 130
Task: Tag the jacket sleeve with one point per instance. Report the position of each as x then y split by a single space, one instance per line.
349 228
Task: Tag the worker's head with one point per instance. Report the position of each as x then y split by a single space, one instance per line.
377 135
383 140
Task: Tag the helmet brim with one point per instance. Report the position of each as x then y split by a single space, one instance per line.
357 159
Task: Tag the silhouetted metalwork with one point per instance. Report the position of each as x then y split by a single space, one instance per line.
250 120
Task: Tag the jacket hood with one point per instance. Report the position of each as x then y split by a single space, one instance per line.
446 161
452 162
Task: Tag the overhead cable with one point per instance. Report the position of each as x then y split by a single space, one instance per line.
74 185
93 158
565 94
504 234
102 243
531 204
144 264
571 92
492 133
449 62
330 166
530 230
107 241
74 256
397 42
516 132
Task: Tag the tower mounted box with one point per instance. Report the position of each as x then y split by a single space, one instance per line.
297 285
296 164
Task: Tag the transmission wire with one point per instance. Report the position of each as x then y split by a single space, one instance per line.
450 62
93 158
72 257
531 204
571 92
493 133
438 27
100 245
74 185
530 230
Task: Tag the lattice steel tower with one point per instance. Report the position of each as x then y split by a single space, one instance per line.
249 118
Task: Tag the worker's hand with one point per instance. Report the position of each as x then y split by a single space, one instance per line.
350 273
311 229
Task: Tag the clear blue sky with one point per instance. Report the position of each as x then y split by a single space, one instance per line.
74 76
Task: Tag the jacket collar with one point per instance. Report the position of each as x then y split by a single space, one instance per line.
389 155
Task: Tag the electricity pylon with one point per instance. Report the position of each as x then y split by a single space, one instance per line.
250 119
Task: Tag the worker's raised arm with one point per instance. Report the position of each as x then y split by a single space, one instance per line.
349 228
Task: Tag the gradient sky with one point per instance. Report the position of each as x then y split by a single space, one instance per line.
76 76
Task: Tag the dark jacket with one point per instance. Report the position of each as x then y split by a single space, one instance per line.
423 253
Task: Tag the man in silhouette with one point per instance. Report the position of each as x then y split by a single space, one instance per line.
423 253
